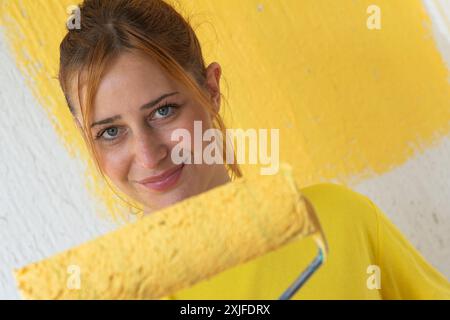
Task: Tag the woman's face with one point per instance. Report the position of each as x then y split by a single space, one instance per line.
136 109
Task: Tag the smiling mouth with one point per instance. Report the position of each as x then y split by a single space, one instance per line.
165 181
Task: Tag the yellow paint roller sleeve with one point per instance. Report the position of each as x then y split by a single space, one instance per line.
369 258
180 245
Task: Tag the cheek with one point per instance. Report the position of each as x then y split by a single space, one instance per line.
187 123
115 162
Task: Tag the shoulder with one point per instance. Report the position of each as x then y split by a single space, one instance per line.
340 203
338 195
349 221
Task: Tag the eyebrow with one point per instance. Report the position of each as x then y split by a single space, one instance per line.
144 107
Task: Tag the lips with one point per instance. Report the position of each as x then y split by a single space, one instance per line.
165 180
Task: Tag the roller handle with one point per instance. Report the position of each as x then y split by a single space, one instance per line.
304 276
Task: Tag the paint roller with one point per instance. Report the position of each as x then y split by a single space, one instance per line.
183 244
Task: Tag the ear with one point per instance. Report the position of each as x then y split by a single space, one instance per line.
213 74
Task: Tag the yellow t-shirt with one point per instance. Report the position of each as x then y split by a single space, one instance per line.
359 236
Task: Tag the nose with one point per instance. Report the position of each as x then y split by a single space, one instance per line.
149 150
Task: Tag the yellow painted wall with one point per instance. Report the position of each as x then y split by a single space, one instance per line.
350 102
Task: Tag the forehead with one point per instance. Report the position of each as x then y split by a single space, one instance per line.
131 80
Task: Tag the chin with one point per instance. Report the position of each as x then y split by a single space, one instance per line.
164 200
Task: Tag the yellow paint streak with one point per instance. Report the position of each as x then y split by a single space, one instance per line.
350 103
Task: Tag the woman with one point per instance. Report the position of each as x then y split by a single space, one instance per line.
132 75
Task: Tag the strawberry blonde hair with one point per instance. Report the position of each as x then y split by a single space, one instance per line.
152 27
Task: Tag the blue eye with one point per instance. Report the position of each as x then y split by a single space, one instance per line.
112 132
165 111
